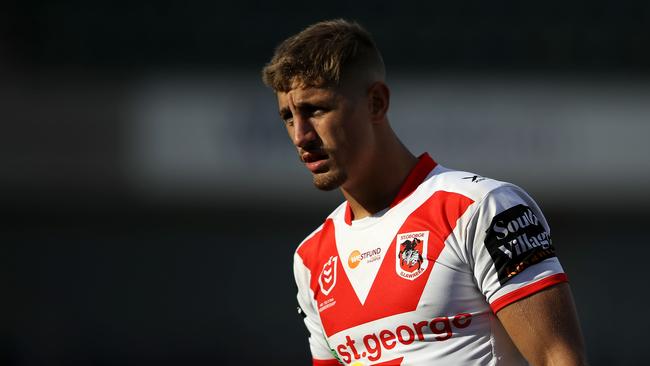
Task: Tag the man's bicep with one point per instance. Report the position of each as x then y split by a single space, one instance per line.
545 328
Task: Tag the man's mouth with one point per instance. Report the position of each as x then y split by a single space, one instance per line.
314 161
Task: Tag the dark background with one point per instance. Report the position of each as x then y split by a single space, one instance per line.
96 271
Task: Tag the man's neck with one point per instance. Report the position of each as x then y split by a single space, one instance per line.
385 176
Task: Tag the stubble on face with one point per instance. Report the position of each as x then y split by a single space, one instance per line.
329 180
332 176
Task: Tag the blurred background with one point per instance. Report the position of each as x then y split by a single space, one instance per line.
151 200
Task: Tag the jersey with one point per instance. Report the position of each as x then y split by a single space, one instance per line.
421 282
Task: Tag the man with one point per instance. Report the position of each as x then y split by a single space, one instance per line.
421 264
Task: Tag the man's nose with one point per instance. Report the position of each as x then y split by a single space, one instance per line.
303 131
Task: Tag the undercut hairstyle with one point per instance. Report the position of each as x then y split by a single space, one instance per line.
324 54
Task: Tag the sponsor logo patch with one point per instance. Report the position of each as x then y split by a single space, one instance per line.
411 259
372 346
356 257
516 239
327 277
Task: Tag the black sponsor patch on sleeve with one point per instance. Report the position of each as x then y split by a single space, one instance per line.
516 239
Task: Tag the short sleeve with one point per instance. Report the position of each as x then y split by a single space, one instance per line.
320 350
512 253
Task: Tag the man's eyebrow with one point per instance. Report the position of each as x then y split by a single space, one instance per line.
284 111
300 106
309 104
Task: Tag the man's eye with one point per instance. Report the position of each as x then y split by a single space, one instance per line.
287 118
318 112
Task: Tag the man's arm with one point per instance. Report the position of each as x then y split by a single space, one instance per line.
545 328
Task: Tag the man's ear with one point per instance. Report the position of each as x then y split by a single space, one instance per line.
378 100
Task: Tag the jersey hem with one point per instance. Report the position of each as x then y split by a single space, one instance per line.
527 290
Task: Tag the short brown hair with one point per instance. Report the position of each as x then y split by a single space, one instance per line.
321 54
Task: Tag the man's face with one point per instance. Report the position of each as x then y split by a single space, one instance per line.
330 129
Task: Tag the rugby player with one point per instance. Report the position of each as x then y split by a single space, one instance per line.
421 264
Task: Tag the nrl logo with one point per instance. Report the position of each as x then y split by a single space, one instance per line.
411 260
327 278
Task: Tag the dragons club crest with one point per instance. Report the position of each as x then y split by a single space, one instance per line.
411 259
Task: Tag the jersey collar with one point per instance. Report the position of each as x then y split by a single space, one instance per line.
417 175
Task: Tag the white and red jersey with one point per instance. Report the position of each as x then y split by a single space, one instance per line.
420 282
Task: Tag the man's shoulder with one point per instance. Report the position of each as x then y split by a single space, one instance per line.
471 185
487 195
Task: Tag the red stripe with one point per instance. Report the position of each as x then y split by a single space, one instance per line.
331 362
424 166
527 290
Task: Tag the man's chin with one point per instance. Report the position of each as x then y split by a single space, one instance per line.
329 181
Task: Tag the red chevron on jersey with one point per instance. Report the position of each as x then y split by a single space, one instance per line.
436 217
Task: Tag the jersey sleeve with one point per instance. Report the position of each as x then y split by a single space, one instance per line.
320 350
510 247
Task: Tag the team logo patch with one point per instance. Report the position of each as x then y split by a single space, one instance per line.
327 278
516 239
411 259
